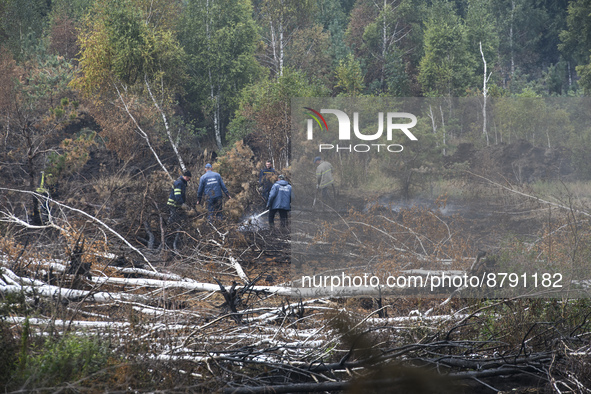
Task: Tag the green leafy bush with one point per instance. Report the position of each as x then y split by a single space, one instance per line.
75 154
66 360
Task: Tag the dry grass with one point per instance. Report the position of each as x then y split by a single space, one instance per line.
575 193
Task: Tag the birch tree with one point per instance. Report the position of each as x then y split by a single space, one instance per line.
129 55
522 26
281 19
382 37
484 96
481 24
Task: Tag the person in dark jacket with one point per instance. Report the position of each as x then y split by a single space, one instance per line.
265 179
177 197
280 198
211 186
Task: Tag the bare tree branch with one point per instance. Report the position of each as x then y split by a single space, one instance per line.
142 132
9 217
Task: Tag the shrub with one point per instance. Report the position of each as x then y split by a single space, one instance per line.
8 352
66 360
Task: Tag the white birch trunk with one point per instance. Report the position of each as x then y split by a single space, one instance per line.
212 93
217 120
511 37
384 45
443 128
484 96
281 47
9 218
166 126
216 113
432 117
142 132
274 47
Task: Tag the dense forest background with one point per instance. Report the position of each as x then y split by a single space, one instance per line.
205 74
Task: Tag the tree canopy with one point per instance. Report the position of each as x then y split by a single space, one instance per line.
200 74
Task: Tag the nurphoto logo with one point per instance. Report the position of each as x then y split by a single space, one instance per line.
393 123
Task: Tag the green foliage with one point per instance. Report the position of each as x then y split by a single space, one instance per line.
580 140
121 43
220 39
524 319
31 102
11 351
75 154
396 78
129 41
584 72
480 29
386 37
62 361
264 114
8 352
541 121
65 111
556 78
260 102
447 68
21 26
349 77
279 20
308 54
333 15
13 303
75 9
523 27
48 80
576 38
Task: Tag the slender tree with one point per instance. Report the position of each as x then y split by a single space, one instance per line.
484 95
220 38
280 20
129 53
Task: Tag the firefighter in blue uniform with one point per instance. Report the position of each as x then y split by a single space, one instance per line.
177 197
211 186
280 198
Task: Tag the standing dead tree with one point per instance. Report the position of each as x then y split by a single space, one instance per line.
484 95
